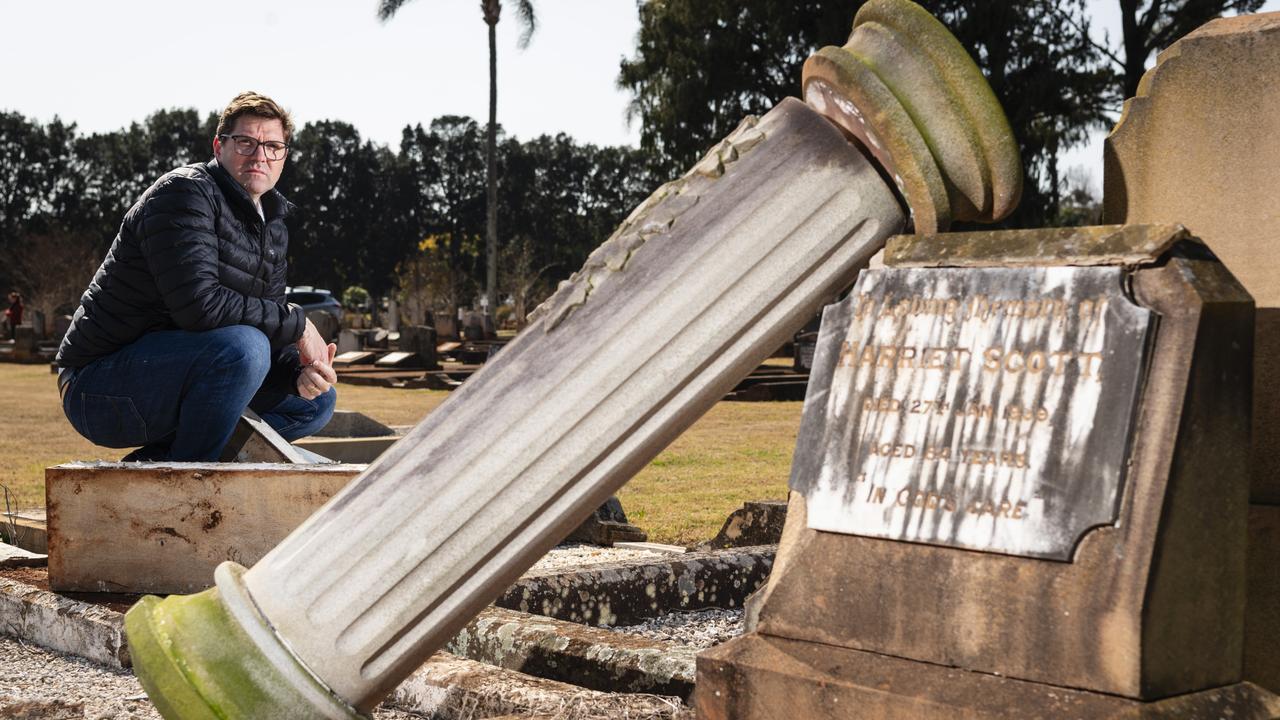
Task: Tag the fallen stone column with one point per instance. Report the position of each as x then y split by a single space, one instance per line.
697 287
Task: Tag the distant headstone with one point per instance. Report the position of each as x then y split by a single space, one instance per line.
326 324
38 324
26 344
446 327
349 341
473 326
393 315
420 340
60 325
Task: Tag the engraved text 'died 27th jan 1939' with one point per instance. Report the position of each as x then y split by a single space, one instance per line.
986 408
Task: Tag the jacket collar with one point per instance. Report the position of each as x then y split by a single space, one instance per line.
274 204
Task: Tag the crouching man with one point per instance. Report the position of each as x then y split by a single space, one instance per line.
185 324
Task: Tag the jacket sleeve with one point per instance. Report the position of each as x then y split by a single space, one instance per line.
179 240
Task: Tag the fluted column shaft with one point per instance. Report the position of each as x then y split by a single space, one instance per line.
706 279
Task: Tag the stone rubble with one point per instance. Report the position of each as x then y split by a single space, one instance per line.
699 629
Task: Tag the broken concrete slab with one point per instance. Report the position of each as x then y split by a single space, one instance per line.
606 526
254 441
447 686
352 424
581 655
755 523
50 620
12 556
354 450
26 529
164 527
626 593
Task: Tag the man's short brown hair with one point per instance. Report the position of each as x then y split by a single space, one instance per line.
258 105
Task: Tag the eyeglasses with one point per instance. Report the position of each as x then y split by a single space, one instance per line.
248 146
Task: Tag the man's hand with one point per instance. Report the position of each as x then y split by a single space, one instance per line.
317 377
311 346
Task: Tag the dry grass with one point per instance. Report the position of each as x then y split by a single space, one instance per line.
737 452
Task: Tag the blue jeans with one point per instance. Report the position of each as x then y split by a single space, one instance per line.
178 394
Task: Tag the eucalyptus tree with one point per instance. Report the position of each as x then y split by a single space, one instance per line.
492 12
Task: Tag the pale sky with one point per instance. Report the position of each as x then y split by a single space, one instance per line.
105 64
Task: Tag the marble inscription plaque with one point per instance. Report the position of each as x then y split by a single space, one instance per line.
988 409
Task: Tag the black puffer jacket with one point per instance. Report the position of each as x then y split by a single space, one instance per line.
192 254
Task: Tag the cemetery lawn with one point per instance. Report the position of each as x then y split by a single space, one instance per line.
737 452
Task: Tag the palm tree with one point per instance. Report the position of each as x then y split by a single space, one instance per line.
492 10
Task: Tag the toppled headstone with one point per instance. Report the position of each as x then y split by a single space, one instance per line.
606 526
12 556
254 441
755 523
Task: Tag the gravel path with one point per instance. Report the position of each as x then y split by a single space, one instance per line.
39 683
699 629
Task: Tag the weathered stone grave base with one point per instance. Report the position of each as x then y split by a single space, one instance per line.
627 593
585 656
1262 608
760 677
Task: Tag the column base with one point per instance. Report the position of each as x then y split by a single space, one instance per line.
212 655
760 677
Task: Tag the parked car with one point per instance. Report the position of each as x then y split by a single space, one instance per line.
316 300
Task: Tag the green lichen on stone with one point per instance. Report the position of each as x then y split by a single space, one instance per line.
197 662
906 88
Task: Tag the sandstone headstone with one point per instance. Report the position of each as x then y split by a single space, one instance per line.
1200 145
1016 472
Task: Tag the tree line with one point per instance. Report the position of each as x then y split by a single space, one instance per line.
408 219
412 219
